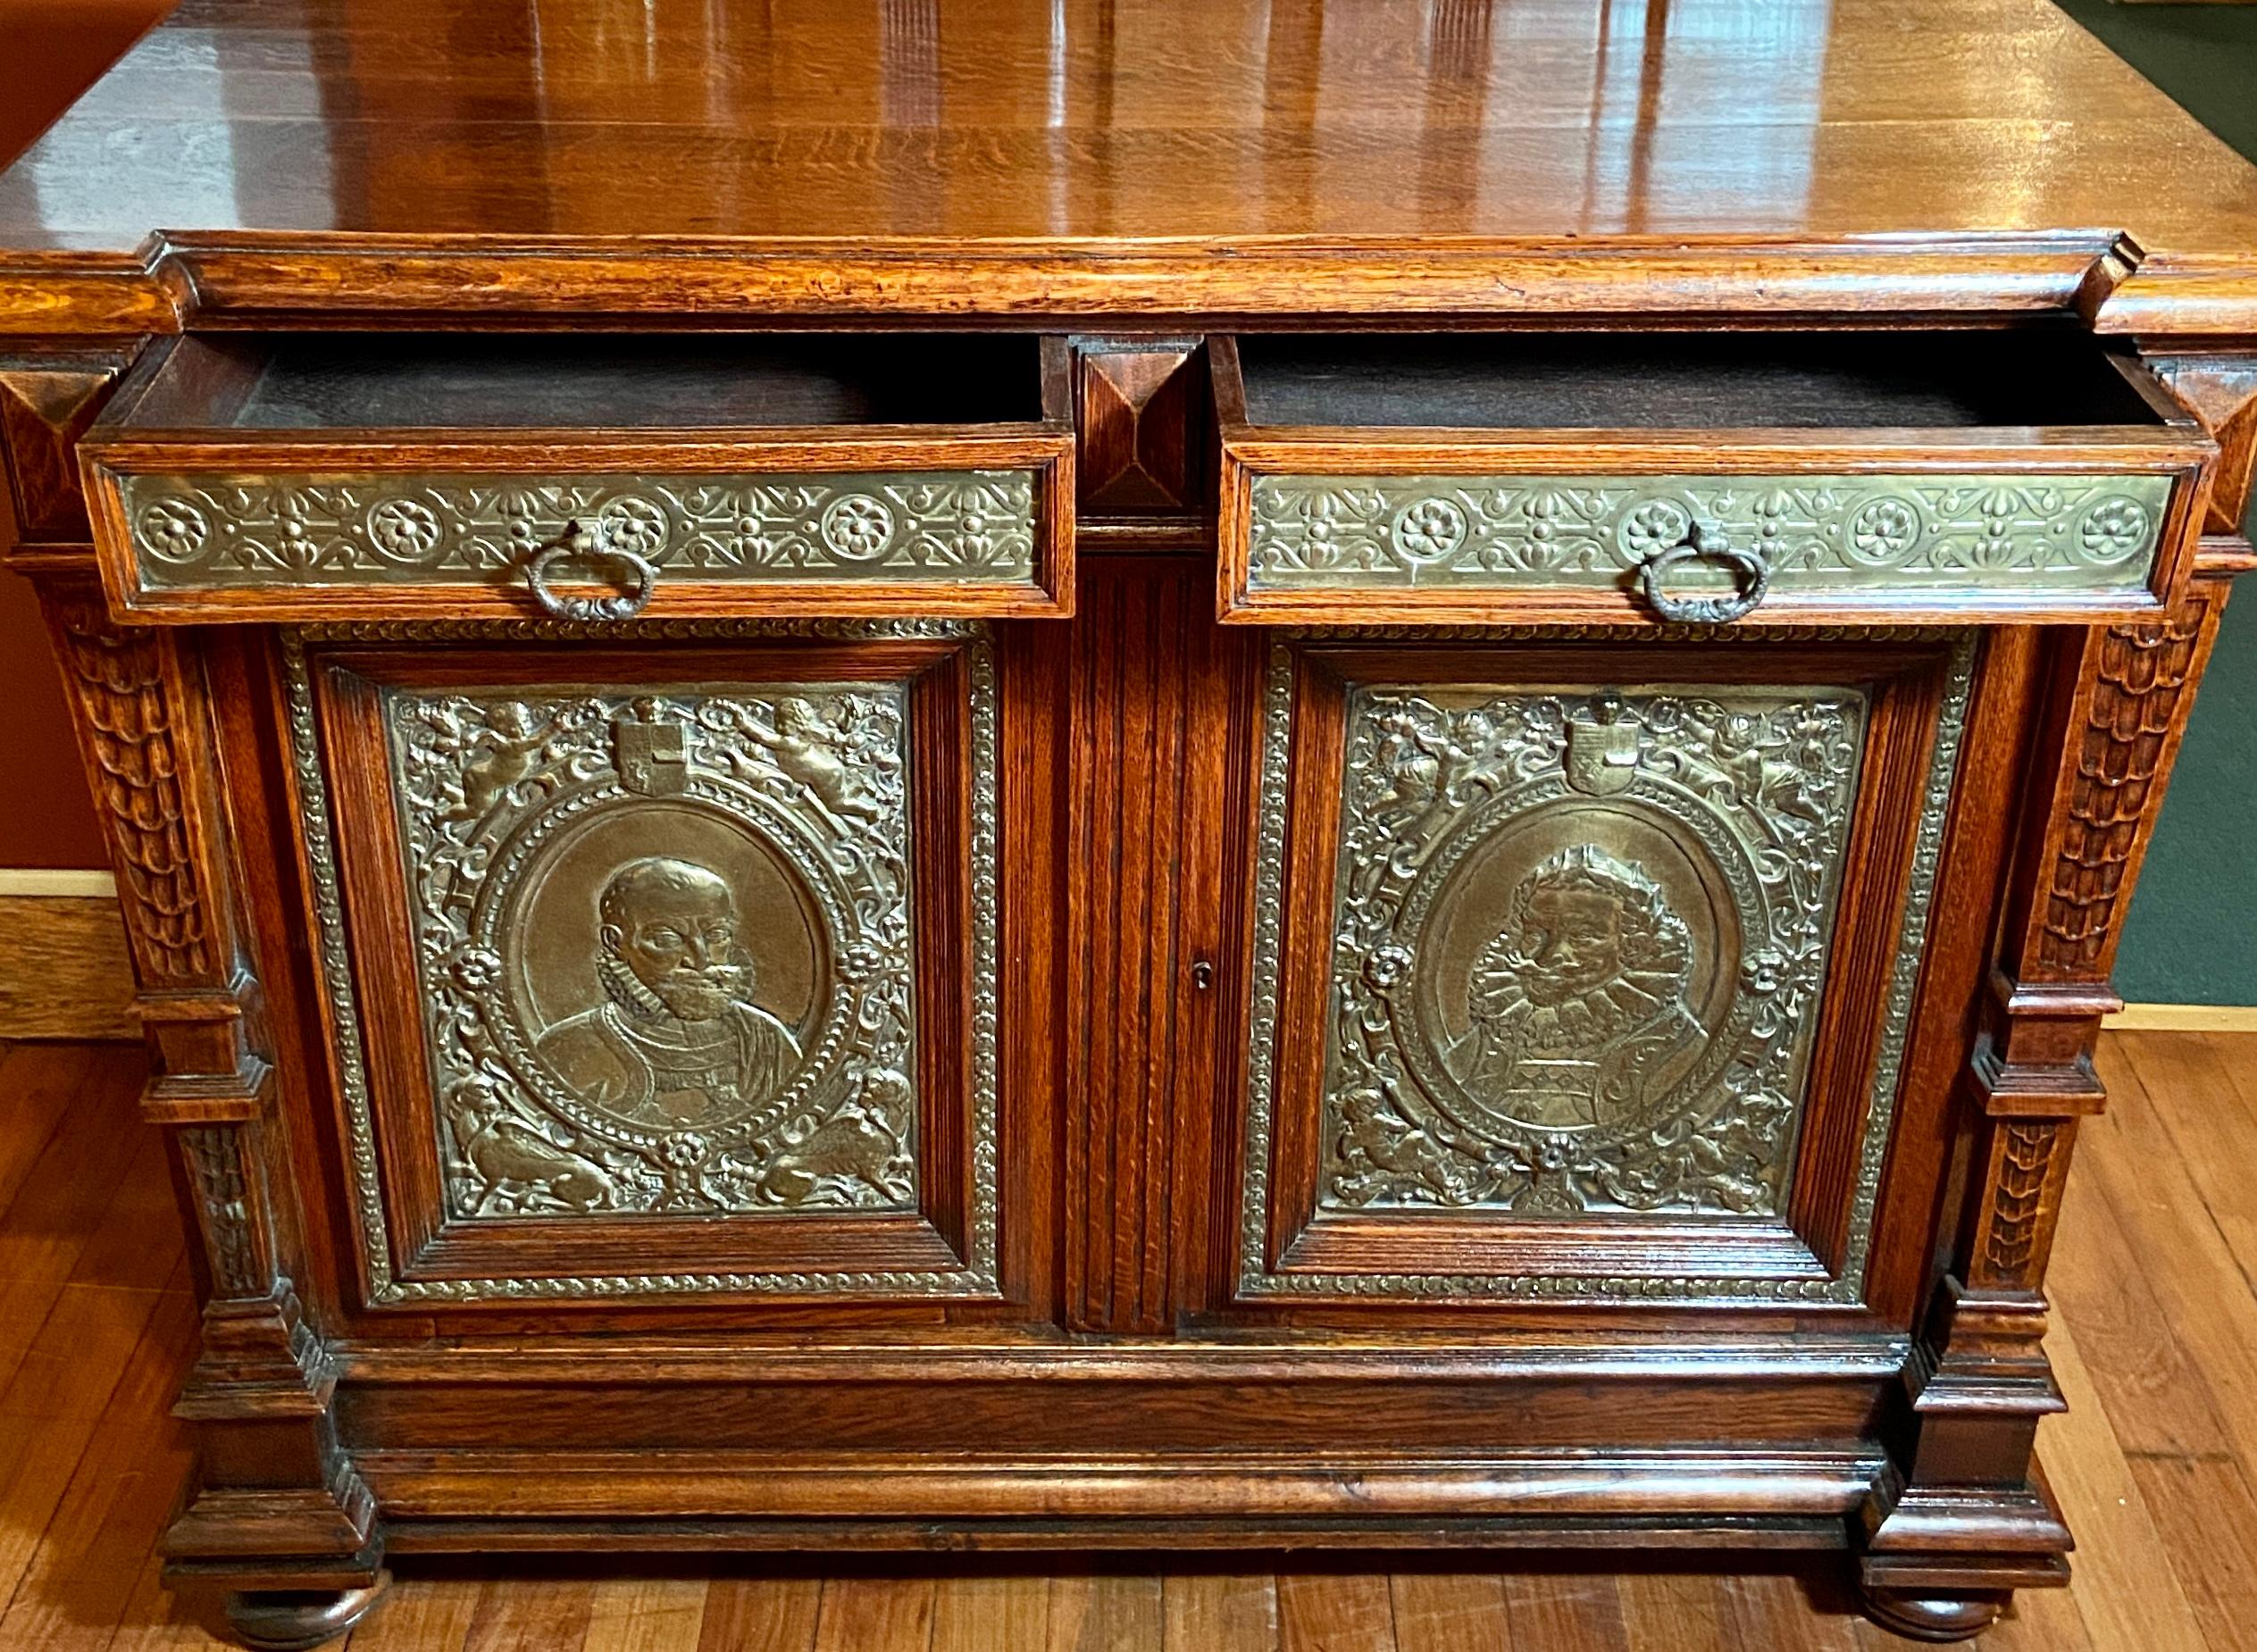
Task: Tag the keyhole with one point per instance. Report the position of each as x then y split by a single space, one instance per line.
1202 974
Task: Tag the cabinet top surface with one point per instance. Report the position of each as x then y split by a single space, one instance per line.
1077 126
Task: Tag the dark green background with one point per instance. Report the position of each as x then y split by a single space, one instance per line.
2193 934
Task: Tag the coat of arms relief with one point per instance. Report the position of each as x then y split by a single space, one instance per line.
663 944
1579 944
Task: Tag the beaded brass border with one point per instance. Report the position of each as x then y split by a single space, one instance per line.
1844 1289
333 973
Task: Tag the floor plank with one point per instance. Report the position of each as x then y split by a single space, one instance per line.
760 1614
875 1614
1451 1612
1329 1612
1219 1612
974 1614
420 1614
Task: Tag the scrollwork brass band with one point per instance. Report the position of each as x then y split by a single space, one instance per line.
1579 943
664 947
1812 534
202 532
663 942
1579 937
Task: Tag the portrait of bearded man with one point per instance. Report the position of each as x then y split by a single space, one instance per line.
1578 1007
678 1041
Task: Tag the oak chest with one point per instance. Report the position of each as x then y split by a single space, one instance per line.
1246 865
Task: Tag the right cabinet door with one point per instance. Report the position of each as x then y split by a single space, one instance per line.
1584 972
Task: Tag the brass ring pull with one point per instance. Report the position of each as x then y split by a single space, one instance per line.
577 544
1751 573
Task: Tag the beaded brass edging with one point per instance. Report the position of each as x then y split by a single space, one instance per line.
979 1275
1845 1288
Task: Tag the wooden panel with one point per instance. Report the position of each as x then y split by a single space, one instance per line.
1389 1192
1159 706
553 1209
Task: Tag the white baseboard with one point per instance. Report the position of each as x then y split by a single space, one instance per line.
2183 1018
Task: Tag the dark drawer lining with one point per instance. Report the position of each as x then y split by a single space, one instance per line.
1788 380
346 381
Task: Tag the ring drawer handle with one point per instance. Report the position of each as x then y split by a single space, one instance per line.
577 544
1750 573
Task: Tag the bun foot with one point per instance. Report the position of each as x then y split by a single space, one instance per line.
297 1619
1920 1616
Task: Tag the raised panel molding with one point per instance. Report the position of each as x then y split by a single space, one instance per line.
1142 422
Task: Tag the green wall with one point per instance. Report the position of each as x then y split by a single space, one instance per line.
2193 934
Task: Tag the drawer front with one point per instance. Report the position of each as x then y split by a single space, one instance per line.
317 478
480 531
1922 539
1580 976
661 973
1801 478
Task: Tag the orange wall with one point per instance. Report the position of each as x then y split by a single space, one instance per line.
53 49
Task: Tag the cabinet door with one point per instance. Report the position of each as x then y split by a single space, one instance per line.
1582 973
660 971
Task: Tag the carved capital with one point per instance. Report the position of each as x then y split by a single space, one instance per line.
2133 691
47 402
2222 388
129 689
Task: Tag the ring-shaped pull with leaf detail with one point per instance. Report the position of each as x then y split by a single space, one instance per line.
577 543
1751 575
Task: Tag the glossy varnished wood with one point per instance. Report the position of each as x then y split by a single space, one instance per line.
2155 1344
1235 158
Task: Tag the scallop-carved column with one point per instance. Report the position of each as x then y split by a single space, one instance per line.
1965 1516
276 1507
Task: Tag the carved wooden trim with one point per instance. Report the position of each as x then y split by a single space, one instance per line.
1142 406
46 405
229 1196
2134 695
123 685
2027 1165
2222 391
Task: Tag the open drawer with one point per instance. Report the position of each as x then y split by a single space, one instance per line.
1703 477
324 477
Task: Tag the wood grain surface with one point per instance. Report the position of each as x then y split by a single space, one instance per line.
2156 1343
1225 156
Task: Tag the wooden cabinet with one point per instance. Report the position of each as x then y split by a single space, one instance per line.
1068 823
713 1038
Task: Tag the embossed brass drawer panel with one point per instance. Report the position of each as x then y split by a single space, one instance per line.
1796 477
340 478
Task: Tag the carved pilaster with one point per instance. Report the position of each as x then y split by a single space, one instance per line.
1964 1516
277 1505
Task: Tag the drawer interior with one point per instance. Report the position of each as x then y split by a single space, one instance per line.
1689 382
356 381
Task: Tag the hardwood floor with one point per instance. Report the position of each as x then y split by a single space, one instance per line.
2155 1339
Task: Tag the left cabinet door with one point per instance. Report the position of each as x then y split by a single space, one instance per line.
657 971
